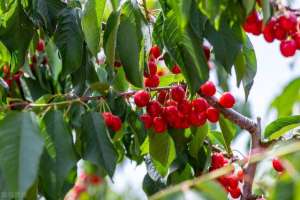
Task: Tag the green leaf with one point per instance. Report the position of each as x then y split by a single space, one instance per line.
228 131
120 83
245 66
183 46
69 40
110 37
92 23
99 148
213 9
16 32
199 134
20 149
181 175
248 5
61 138
285 101
211 190
266 6
280 126
162 148
129 51
227 37
54 63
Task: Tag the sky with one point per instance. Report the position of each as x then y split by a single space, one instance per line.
273 73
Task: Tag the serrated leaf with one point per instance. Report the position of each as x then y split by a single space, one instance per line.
92 23
280 126
199 134
20 149
99 148
70 48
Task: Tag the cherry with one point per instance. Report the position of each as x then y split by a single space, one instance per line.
288 21
155 51
197 119
227 100
233 181
288 48
268 31
176 69
79 189
95 180
147 120
34 59
154 108
177 93
277 165
152 69
240 175
296 37
117 123
107 116
161 72
208 89
185 107
200 104
171 102
234 192
217 160
159 125
117 64
257 28
45 61
279 33
141 98
213 114
171 114
206 50
162 96
40 45
184 122
152 82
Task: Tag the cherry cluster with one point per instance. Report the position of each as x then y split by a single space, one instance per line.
10 77
83 182
229 182
112 121
283 27
171 108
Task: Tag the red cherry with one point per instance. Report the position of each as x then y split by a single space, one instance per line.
296 37
233 181
185 107
40 45
45 61
206 50
277 165
257 28
171 102
288 21
227 100
279 33
141 98
253 17
107 116
155 51
152 69
117 123
152 82
288 48
268 31
177 93
176 69
33 59
171 114
161 72
197 119
217 160
154 108
95 180
162 96
147 120
208 89
117 64
240 175
234 192
200 104
159 125
213 114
